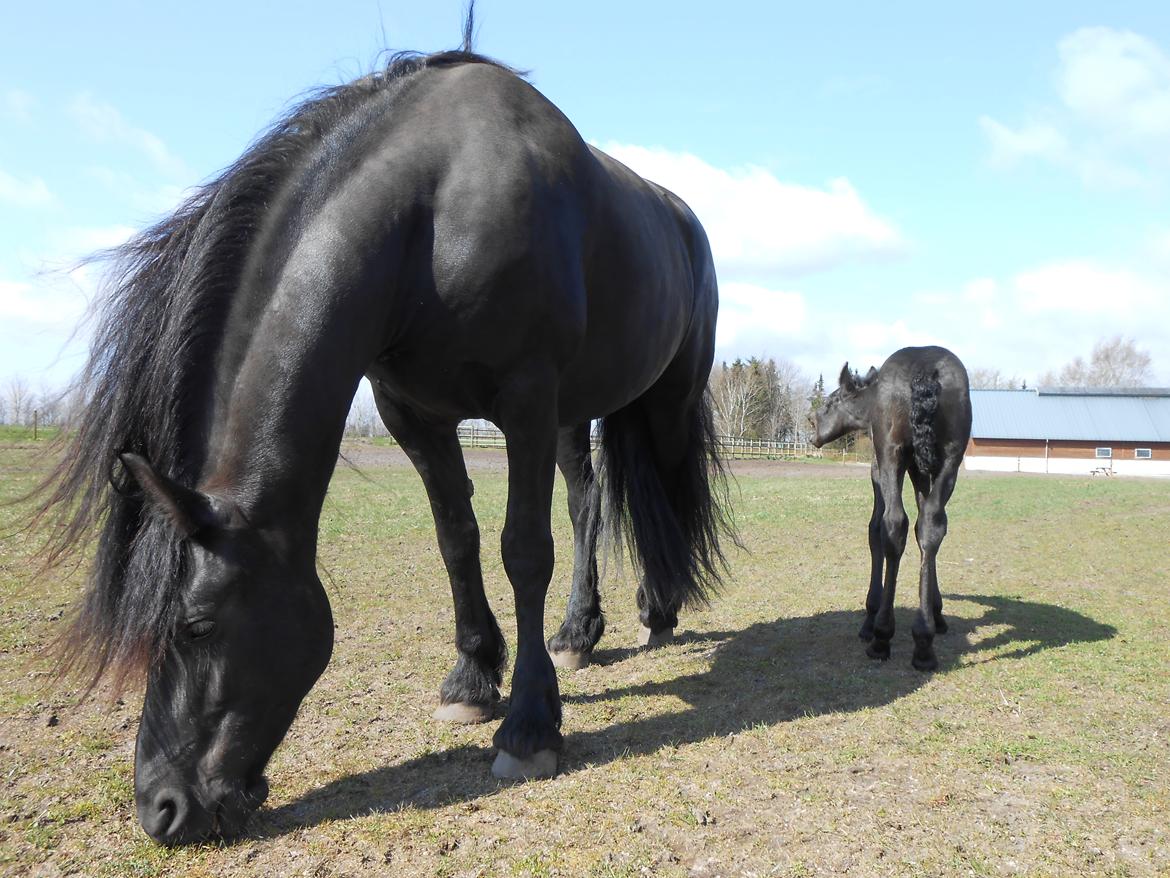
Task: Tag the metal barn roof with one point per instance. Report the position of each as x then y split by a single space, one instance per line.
1129 415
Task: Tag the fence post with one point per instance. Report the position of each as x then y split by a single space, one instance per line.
36 415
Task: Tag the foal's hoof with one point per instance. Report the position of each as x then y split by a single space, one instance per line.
570 659
464 712
878 649
541 764
651 639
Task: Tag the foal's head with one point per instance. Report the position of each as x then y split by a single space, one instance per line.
253 632
845 409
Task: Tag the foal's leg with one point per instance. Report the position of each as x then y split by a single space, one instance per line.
873 598
894 528
529 737
470 691
584 623
930 530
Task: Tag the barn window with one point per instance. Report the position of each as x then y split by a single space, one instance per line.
1104 452
1143 453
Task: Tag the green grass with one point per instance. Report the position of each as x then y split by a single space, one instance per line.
761 742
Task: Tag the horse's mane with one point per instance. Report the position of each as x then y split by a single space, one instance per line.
160 317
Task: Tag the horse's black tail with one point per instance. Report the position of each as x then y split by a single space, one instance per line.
672 517
924 394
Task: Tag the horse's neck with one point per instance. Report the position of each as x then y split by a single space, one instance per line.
284 393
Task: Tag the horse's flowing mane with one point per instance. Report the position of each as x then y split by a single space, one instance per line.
146 385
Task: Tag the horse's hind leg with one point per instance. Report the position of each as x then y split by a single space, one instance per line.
930 530
873 598
584 623
471 689
529 738
895 527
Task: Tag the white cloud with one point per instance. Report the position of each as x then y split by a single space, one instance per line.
103 123
748 312
31 192
1085 288
761 227
1112 125
16 105
1119 82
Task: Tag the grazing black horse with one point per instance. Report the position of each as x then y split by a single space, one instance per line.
917 409
441 228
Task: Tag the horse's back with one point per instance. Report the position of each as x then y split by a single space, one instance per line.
535 248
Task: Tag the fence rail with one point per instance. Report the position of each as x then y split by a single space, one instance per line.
474 436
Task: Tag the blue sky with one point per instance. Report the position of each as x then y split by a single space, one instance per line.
871 175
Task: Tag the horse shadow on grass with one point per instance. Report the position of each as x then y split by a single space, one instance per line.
767 673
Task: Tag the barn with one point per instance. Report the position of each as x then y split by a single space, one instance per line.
1071 430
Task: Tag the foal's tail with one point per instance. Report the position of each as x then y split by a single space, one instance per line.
671 513
925 388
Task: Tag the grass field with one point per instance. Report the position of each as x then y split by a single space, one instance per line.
762 742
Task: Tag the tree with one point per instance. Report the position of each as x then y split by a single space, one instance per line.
1114 362
760 399
992 379
18 397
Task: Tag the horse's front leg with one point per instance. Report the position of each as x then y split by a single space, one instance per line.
873 597
470 692
584 623
529 738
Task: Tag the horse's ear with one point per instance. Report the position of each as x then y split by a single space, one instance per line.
871 374
846 380
187 511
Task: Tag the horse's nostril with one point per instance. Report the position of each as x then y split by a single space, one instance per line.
165 818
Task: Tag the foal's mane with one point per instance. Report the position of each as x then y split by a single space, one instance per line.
160 318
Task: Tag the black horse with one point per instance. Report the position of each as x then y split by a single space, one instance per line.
917 409
441 228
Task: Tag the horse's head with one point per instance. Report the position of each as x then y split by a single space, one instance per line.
845 409
253 632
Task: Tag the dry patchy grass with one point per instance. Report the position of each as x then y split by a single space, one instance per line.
762 742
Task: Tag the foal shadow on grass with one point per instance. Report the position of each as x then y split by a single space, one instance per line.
765 674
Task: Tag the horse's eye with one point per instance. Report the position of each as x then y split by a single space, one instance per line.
200 629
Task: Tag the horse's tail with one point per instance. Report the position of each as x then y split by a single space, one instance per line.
671 517
925 388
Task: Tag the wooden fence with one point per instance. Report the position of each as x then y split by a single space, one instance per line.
475 436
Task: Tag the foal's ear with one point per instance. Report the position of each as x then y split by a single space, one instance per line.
846 380
187 511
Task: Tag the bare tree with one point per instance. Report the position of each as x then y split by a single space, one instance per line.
18 396
737 399
1115 362
992 379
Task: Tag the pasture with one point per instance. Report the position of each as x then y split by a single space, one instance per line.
762 742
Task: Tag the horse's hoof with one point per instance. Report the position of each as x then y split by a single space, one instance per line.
940 625
541 764
878 649
926 663
464 713
651 639
570 659
865 634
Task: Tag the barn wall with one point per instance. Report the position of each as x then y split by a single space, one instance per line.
1025 455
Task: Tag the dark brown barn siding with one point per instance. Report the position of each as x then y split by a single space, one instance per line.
1063 448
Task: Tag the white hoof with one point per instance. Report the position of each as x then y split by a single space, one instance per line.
649 638
569 659
464 713
542 763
